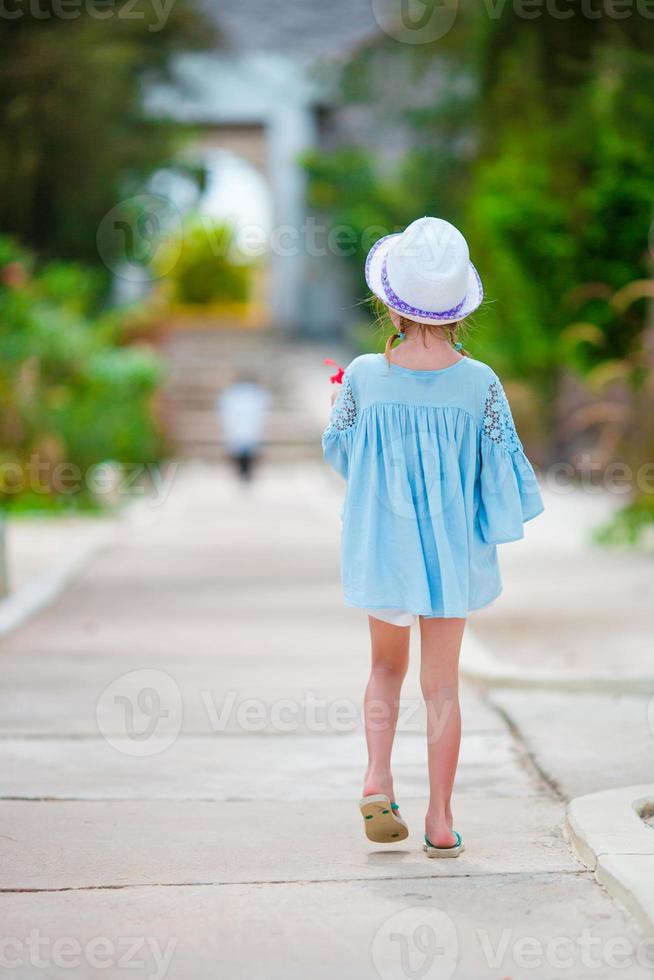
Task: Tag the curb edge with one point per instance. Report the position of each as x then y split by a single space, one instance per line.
600 826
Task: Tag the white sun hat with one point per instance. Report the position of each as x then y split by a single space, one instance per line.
425 273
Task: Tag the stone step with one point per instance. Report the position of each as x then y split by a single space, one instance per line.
200 365
212 434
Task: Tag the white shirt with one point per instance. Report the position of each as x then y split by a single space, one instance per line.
242 409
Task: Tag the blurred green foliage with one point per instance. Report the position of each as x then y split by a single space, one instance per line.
536 137
71 395
207 270
75 140
538 142
633 525
74 136
562 196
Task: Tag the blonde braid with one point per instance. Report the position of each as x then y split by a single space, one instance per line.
452 331
395 336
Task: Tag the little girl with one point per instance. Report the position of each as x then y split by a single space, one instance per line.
436 478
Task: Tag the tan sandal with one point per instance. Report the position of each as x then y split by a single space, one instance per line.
381 821
444 852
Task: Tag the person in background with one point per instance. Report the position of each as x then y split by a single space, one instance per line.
243 409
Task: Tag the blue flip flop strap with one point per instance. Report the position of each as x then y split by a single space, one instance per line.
395 806
458 843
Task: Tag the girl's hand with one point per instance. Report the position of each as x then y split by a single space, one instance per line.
335 392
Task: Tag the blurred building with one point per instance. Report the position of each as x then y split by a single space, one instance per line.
264 97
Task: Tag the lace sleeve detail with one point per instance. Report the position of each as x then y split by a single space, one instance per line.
344 411
497 424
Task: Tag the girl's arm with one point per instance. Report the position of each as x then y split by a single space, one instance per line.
509 491
338 437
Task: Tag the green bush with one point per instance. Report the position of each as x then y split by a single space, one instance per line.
208 269
633 525
71 395
72 87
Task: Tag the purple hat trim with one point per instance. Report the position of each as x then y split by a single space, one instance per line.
399 304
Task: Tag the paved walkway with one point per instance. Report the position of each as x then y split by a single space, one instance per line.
181 755
568 606
573 610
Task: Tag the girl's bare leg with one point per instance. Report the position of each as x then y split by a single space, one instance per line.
390 659
440 643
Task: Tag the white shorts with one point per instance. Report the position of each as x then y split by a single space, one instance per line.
396 617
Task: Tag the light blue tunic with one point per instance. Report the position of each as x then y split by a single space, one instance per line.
436 478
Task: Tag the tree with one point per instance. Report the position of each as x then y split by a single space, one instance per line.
73 135
563 184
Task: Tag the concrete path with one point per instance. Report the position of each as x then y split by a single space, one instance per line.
180 758
571 609
42 556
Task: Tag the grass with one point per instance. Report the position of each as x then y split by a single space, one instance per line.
50 505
